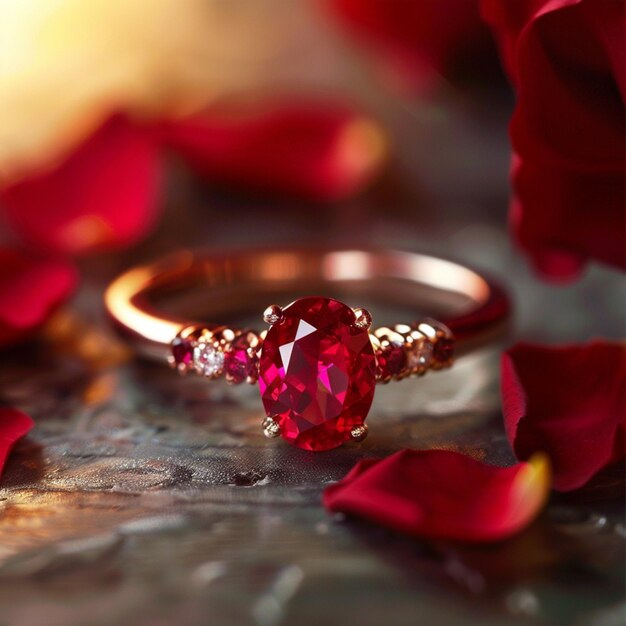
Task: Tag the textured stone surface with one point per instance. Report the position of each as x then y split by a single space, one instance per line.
145 498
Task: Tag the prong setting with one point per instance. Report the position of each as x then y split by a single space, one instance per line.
363 319
271 429
359 433
273 314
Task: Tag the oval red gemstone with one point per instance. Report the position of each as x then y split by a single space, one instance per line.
317 373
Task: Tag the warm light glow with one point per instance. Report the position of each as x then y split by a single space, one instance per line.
442 274
119 301
66 65
361 147
431 271
346 265
531 489
281 266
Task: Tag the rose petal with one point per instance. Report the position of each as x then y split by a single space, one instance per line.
417 40
566 60
569 402
566 63
552 221
30 289
317 151
13 426
443 494
103 196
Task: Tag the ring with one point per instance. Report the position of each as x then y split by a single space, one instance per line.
318 363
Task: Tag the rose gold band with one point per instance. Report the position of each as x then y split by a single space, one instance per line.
474 308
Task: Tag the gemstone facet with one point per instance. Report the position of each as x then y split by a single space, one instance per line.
317 373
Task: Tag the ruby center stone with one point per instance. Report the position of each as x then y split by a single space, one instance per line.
317 373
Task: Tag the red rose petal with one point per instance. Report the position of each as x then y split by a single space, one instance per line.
30 289
570 112
102 196
569 402
566 59
443 494
417 40
318 151
552 221
13 426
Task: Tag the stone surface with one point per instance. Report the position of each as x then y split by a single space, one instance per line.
317 373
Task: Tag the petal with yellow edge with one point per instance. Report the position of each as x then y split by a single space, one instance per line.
442 494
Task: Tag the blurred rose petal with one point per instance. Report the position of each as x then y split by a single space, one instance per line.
13 426
29 291
569 402
552 219
566 60
317 151
442 494
66 65
417 39
103 196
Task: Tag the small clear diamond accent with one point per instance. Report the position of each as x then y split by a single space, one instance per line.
208 360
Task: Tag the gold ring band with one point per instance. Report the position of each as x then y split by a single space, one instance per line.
324 331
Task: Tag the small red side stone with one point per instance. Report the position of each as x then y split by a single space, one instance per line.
238 363
182 351
443 350
391 361
317 373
